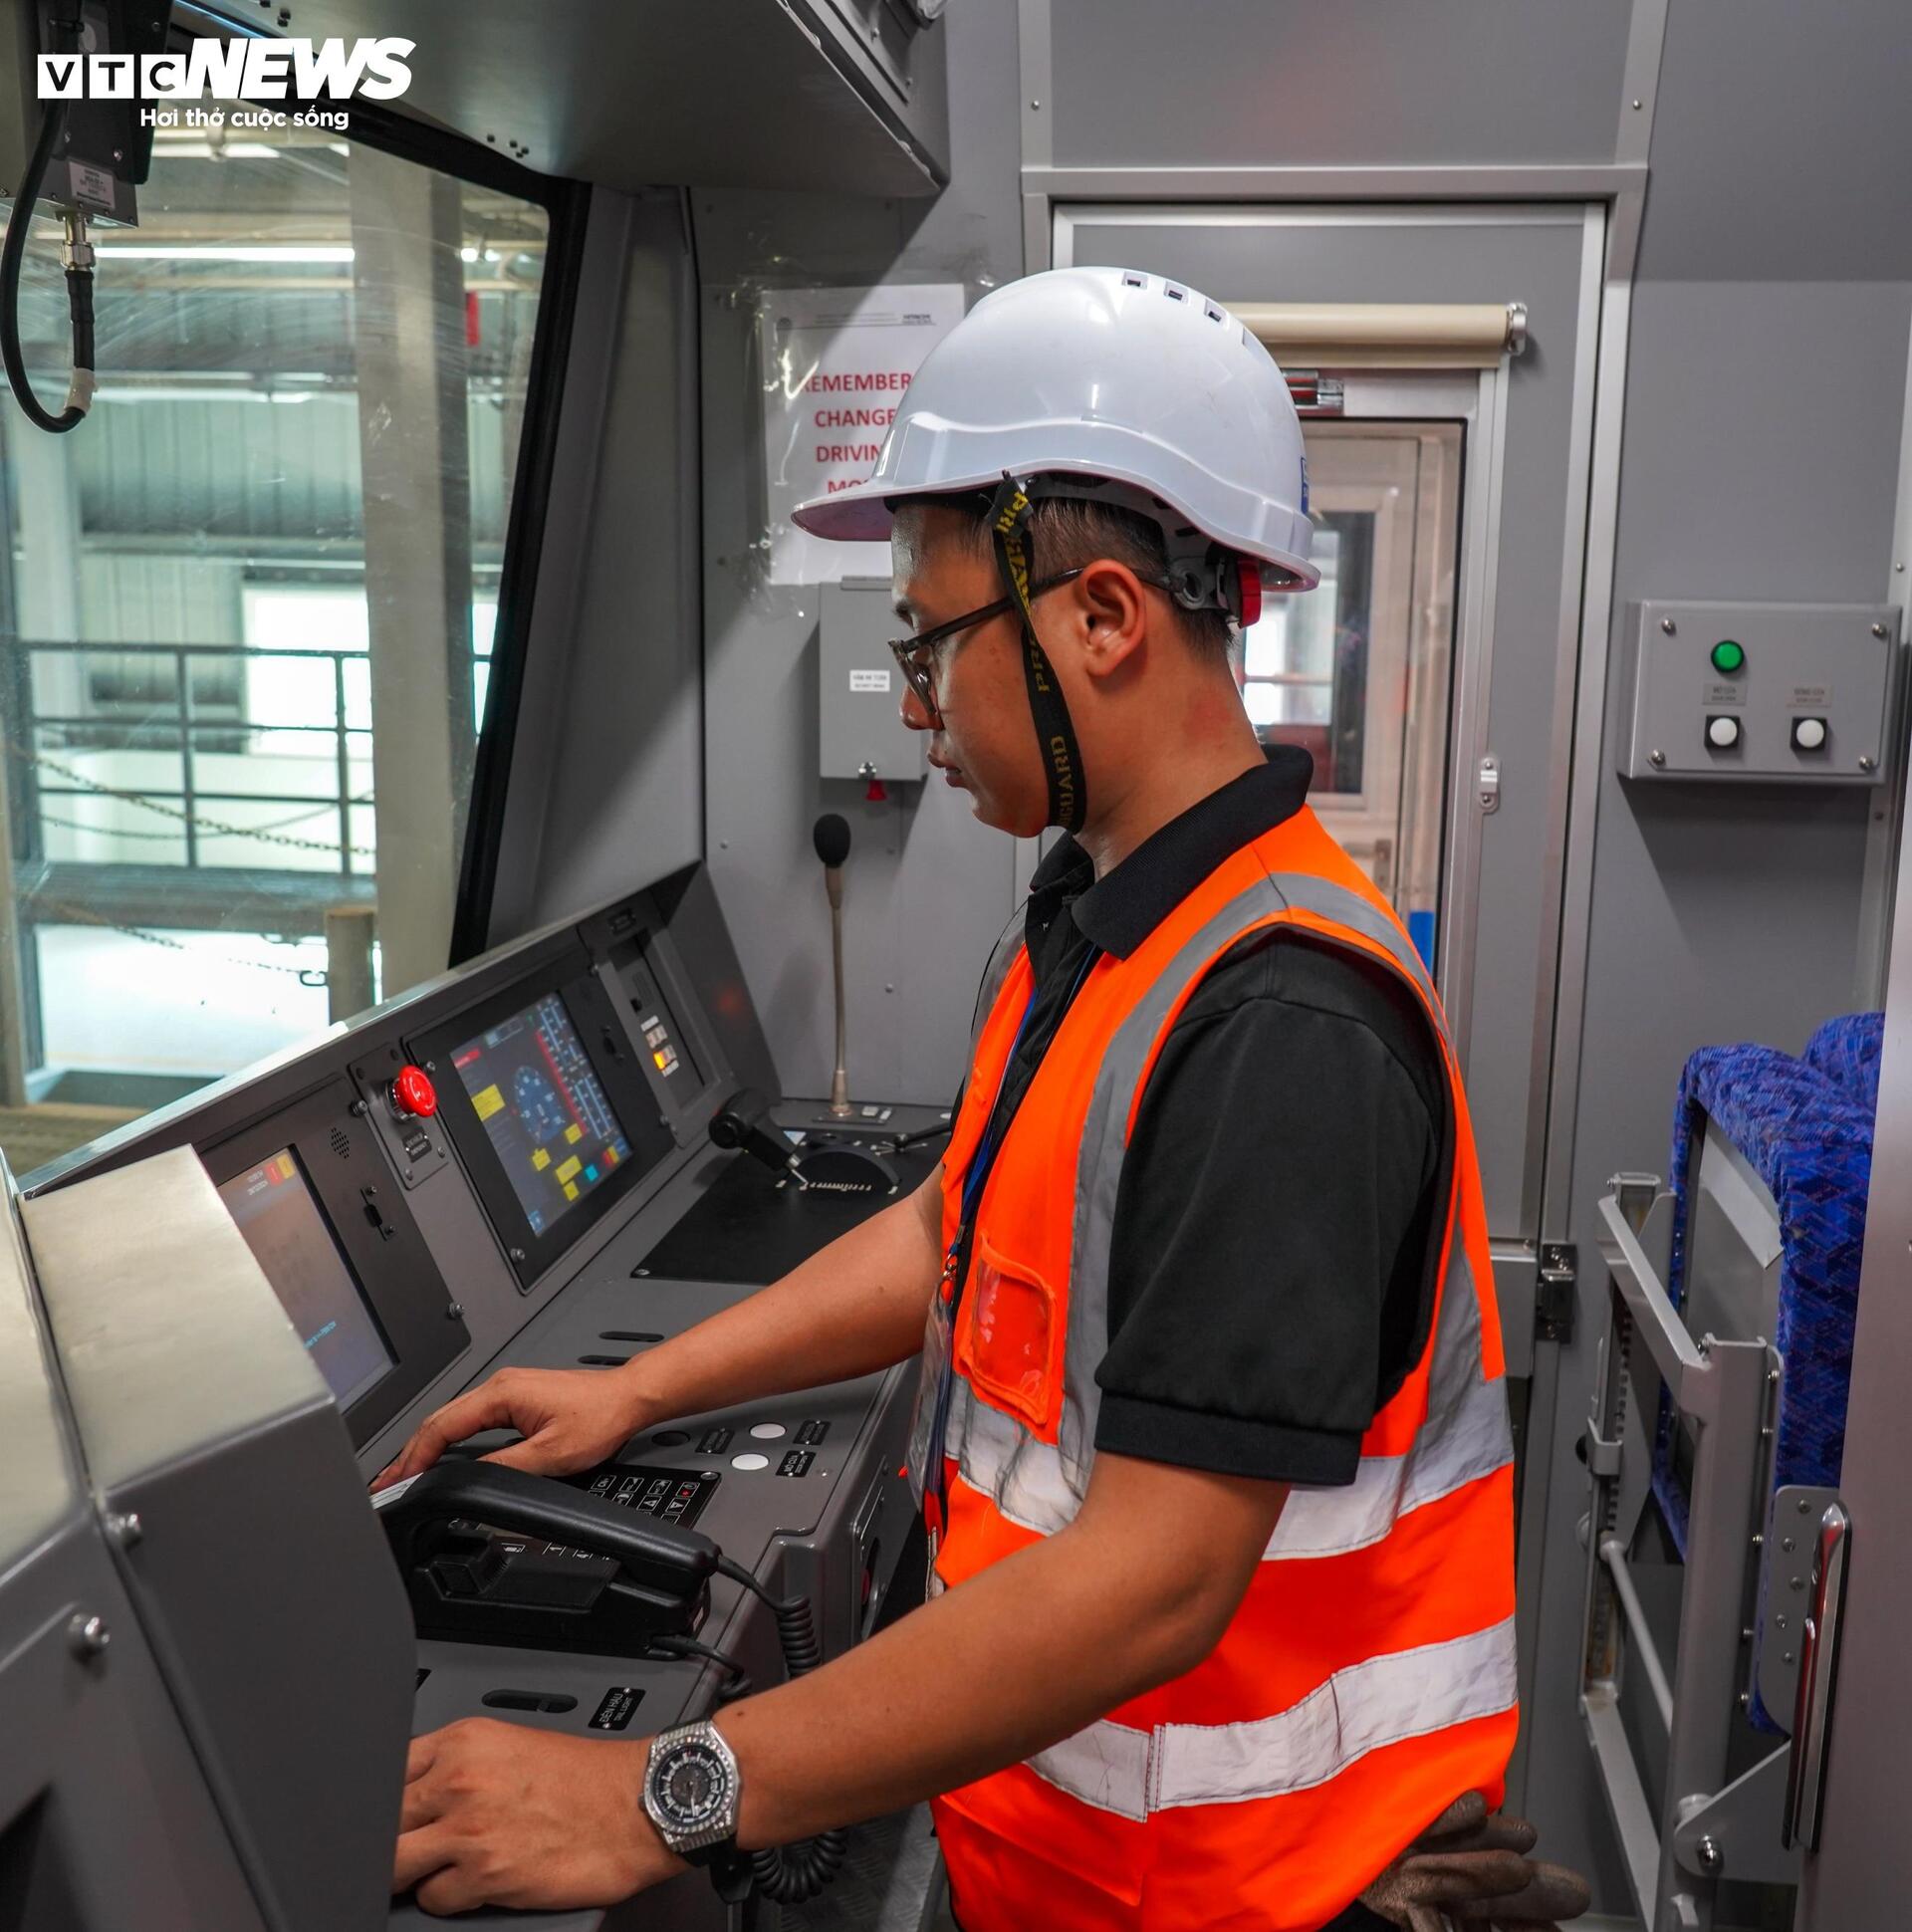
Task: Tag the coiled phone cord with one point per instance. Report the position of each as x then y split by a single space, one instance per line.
792 1875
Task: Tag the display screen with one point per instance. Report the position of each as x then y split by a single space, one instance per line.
543 1108
283 1226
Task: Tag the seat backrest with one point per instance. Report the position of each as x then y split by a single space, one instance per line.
1846 1050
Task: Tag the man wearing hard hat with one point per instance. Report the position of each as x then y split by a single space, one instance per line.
1211 1433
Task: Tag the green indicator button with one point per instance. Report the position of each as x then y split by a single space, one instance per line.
1728 657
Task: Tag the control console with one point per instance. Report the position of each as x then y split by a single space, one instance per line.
514 1165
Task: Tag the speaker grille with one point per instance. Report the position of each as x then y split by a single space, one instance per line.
341 1144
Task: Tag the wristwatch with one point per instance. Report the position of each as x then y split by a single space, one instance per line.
692 1791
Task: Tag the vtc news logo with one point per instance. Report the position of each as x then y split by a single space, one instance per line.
253 70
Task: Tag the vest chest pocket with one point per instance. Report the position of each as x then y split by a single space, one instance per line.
1010 1349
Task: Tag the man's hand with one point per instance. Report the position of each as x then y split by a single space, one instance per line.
568 1419
504 1814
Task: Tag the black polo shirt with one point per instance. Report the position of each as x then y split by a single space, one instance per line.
1279 1221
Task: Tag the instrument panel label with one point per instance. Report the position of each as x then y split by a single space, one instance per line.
619 1707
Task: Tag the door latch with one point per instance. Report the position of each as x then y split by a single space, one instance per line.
1555 1298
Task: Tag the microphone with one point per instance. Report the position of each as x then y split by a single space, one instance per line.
831 837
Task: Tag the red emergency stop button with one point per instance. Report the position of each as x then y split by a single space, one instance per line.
413 1094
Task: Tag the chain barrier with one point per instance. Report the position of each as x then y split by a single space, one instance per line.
266 833
80 916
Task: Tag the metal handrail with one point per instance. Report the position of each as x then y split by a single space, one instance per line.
173 722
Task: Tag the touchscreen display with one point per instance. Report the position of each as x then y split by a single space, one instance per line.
274 1209
546 1115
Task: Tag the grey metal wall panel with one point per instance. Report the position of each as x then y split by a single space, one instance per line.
1413 255
1367 82
611 765
1715 917
926 889
1781 144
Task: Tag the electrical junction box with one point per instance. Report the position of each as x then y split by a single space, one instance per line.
1766 693
860 731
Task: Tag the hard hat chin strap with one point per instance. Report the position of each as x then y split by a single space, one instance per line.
1062 760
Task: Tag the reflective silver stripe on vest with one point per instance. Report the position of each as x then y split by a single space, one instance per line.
1099 1169
1021 1474
1099 1165
1466 1434
1306 892
1464 1438
994 976
1380 1701
1105 1766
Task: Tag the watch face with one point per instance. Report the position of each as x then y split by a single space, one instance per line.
692 1786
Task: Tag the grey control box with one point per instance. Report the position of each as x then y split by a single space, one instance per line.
860 731
1771 693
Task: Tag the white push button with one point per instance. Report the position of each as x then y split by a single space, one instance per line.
750 1462
1809 734
1721 733
768 1431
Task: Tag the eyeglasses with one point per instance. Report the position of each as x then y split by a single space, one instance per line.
915 656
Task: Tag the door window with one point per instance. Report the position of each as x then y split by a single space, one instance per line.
1358 670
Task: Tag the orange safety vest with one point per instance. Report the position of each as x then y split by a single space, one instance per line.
1367 1678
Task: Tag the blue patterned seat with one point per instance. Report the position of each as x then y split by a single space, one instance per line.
1846 1050
1809 1139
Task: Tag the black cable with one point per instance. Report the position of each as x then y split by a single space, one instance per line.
671 1645
79 281
791 1874
897 1142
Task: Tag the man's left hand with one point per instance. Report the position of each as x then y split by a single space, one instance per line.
504 1814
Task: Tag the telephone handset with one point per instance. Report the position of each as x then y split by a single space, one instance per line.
493 1554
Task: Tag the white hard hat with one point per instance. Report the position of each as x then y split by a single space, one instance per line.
1108 373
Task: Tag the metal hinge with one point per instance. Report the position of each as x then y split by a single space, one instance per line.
1487 785
1554 1296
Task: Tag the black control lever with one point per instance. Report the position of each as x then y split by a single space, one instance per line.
835 1167
743 1122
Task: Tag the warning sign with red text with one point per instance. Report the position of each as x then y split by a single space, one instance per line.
836 365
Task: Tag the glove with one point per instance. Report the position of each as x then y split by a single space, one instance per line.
1470 1870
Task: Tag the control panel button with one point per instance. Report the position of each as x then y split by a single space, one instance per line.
412 1094
768 1431
1809 734
750 1462
1729 656
1722 731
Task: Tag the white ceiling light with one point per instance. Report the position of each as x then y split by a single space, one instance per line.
225 252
